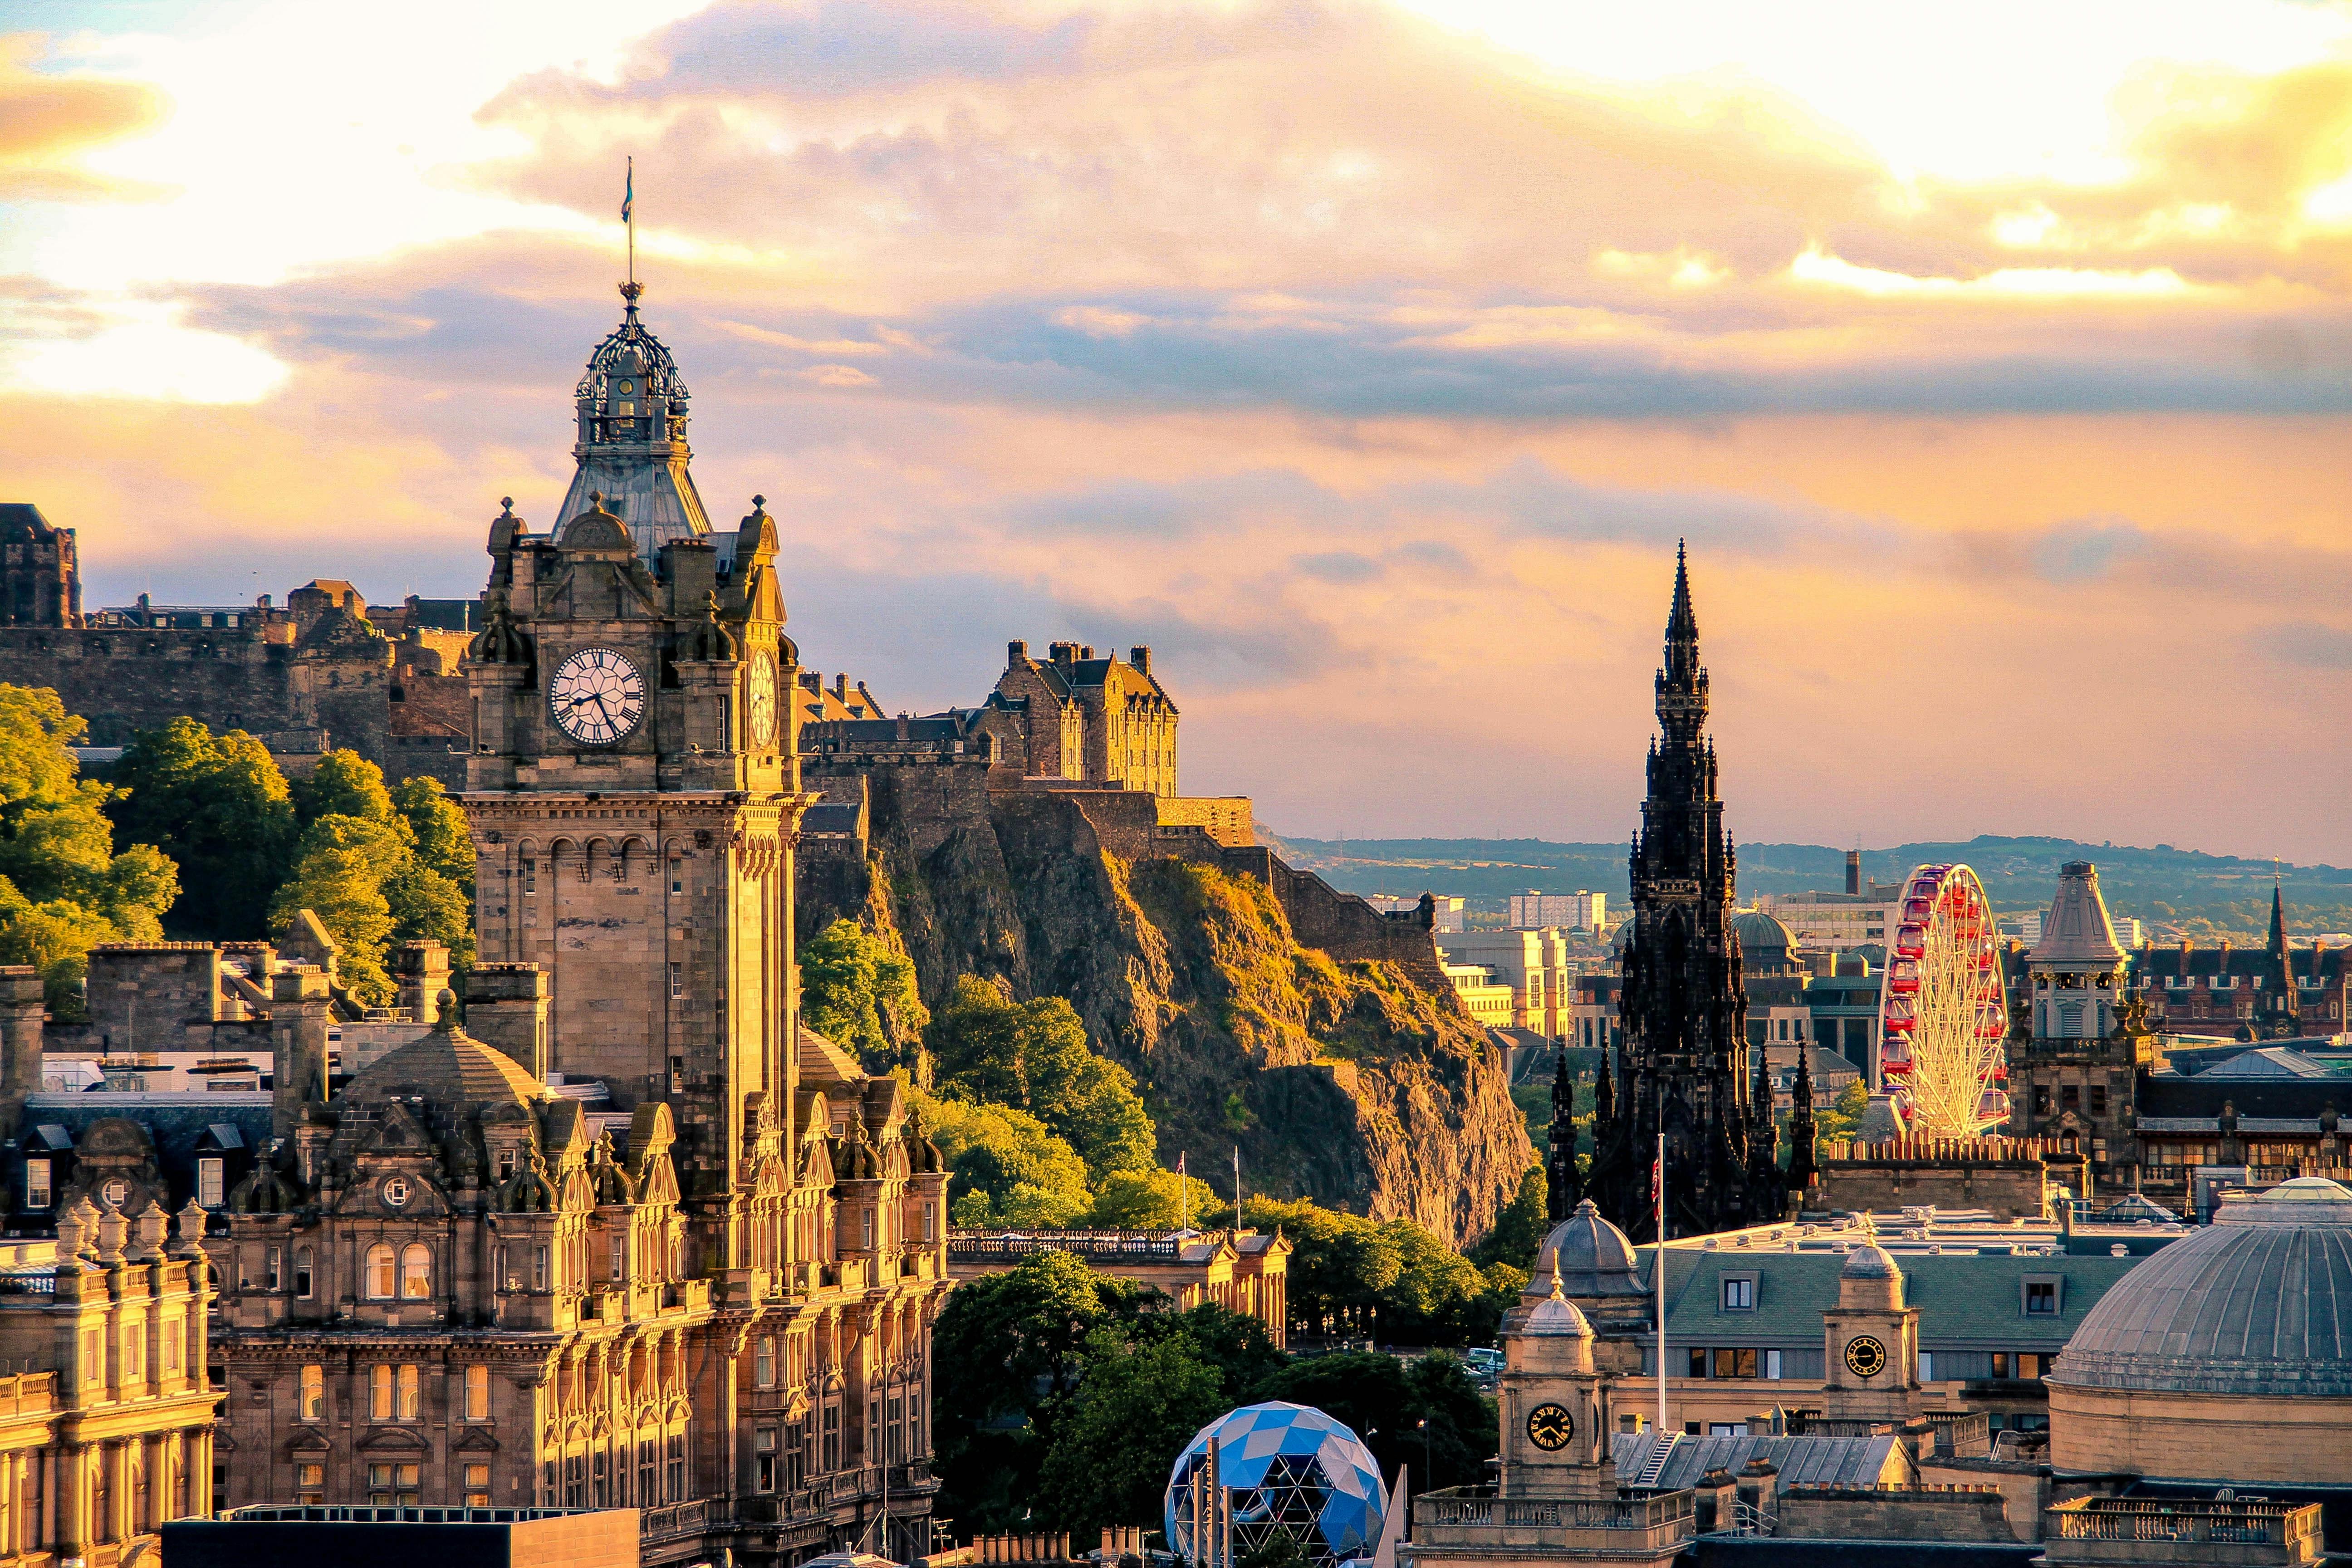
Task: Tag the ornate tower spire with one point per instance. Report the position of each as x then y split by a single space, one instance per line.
1562 1190
631 408
1681 679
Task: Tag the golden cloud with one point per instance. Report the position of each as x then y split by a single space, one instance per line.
48 123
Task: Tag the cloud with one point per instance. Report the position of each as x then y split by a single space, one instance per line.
2308 644
49 123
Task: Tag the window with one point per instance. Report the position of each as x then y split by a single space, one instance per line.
645 1474
1926 1366
539 1267
310 1483
930 1223
314 1393
93 1356
302 1272
379 1272
530 878
764 1364
676 1468
1739 1294
273 1270
408 1393
2098 1100
1735 1361
380 1393
478 1486
677 980
1698 1361
2070 1097
763 1459
1772 1363
172 1336
208 1181
392 1486
416 1271
134 1351
2041 1099
477 1394
2023 1364
865 1228
2041 1298
36 1183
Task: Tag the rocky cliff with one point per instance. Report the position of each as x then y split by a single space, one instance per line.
1341 1081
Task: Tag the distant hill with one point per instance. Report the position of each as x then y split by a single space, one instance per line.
2211 895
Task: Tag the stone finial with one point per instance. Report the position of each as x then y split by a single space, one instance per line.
445 1008
147 1234
112 1228
188 1240
78 1228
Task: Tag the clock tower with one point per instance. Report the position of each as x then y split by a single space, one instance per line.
633 791
1870 1350
1554 1412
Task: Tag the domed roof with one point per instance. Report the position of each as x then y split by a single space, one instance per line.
2259 1303
1555 1314
449 1067
1757 929
1870 1261
1587 1256
1618 937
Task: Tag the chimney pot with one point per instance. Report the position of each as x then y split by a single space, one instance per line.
1016 653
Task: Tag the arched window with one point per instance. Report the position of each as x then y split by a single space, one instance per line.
408 1393
314 1393
416 1271
379 1272
302 1272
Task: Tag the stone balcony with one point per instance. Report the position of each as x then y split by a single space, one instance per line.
1470 1524
2148 1530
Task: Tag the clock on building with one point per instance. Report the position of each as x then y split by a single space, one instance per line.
1865 1356
1551 1426
596 696
763 698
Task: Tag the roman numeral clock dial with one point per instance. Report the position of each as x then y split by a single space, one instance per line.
597 697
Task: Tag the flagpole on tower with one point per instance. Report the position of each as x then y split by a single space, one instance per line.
1658 1180
629 217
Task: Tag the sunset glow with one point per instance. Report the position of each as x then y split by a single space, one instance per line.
1366 361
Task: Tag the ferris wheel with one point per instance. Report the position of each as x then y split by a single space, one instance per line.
1943 1024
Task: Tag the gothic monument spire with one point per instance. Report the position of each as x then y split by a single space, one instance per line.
1684 1070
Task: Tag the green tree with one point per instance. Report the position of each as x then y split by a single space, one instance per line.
1235 1344
63 886
859 992
437 827
1842 1117
1003 1165
1385 1401
1033 1055
1140 1404
344 783
222 809
1150 1200
353 828
1520 1229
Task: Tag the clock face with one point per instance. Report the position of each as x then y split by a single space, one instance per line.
1865 1356
763 698
1551 1426
597 697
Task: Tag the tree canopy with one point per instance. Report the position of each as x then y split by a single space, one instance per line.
64 888
1033 1056
859 992
223 808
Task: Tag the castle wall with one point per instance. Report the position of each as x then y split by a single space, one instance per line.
129 679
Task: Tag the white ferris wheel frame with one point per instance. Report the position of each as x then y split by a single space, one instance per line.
1943 1017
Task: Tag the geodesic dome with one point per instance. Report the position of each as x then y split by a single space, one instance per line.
1283 1466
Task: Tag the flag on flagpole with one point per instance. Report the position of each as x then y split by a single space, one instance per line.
629 192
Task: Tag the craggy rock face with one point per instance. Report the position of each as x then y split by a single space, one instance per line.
1344 1082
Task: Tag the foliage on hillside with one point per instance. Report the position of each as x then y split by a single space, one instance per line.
223 808
859 992
64 888
1063 1397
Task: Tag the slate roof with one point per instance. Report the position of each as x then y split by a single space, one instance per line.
2267 1062
1801 1461
832 816
2258 1303
2076 929
1965 1300
450 1068
2300 1098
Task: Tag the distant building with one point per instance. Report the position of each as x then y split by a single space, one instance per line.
1534 963
1578 910
1861 915
1243 1271
1450 910
1099 721
1592 1023
1489 1000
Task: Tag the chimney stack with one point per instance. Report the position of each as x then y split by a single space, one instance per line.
506 1009
20 1041
1016 654
298 1007
1853 870
1140 658
424 975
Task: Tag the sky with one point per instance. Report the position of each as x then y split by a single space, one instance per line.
1366 362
